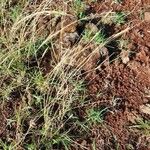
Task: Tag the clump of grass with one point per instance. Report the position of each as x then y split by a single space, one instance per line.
15 13
96 116
119 18
143 126
79 8
39 81
5 146
97 38
123 44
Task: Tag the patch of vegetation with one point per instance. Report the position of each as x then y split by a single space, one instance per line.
79 7
123 44
119 18
15 12
129 147
143 126
97 38
96 116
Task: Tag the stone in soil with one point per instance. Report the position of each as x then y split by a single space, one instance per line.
147 16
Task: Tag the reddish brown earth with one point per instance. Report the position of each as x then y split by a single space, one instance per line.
124 87
124 90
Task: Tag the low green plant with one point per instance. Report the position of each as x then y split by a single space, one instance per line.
64 140
30 146
79 86
123 44
79 8
34 48
96 116
15 12
5 146
97 38
94 145
5 91
119 18
38 79
141 14
129 147
142 125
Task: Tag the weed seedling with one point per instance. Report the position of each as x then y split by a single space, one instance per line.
123 44
15 13
119 18
98 38
96 116
62 139
142 125
39 81
5 146
79 8
30 146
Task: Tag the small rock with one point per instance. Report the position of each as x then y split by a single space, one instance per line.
145 109
147 16
92 28
70 38
125 57
104 58
104 52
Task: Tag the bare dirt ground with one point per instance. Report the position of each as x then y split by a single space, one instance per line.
126 83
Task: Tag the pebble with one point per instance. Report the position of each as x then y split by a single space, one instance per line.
147 16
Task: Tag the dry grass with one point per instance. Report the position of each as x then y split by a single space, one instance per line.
46 114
